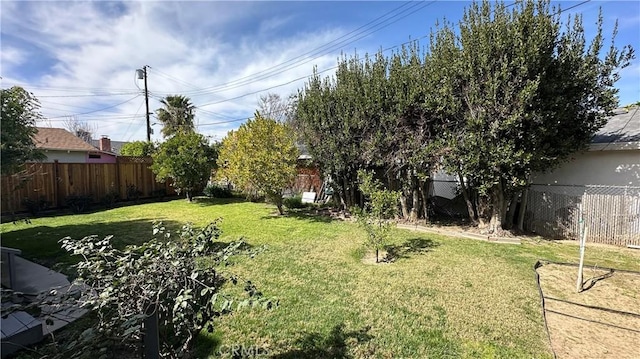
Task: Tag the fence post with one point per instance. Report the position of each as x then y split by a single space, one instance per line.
56 183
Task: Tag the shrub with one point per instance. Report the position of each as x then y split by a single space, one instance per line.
216 191
78 203
112 196
294 202
34 206
162 277
133 193
159 193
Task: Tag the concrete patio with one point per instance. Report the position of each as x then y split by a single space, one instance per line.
30 281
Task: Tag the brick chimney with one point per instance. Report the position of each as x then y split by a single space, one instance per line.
105 144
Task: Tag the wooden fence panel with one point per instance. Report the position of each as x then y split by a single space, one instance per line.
54 182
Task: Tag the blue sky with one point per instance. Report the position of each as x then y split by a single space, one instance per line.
79 58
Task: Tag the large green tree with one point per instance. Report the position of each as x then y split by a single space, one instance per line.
138 149
187 159
377 113
260 156
19 114
525 95
176 116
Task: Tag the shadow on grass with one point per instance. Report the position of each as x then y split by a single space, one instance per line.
409 247
305 214
92 208
206 201
335 345
41 243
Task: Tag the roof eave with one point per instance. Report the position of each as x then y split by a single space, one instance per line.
615 146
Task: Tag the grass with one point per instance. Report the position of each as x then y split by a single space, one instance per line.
443 298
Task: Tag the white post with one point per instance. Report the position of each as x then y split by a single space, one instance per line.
583 239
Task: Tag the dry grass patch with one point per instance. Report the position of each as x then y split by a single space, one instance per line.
600 322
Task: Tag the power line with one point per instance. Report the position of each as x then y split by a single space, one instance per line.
278 69
299 56
91 95
132 120
299 78
165 75
99 110
69 88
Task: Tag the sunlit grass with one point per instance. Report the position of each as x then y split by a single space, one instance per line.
445 298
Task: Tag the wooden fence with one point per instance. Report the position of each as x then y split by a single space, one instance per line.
53 183
611 213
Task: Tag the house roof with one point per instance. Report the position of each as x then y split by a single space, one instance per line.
304 151
116 146
60 139
622 127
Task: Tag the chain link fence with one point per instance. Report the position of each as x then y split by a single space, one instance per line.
611 213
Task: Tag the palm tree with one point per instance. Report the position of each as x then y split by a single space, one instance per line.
177 115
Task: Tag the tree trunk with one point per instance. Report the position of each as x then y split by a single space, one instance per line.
512 211
523 208
465 194
403 206
343 194
424 188
413 216
188 193
499 207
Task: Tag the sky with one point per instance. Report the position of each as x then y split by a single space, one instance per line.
80 58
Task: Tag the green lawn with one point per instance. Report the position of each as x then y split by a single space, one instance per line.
443 298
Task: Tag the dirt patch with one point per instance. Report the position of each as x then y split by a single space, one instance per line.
600 322
370 258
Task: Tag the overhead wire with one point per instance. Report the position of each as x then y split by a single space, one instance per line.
317 52
266 72
131 122
98 110
334 67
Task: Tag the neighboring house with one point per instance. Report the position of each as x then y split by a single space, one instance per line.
308 179
63 146
613 158
600 185
115 146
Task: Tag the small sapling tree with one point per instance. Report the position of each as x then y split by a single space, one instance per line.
381 206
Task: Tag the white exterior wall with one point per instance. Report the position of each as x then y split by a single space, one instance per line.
65 156
613 168
444 185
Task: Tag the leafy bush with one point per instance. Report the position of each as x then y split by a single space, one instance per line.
167 278
112 196
78 203
216 191
34 206
160 193
133 193
294 202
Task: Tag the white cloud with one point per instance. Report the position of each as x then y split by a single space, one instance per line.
12 56
99 48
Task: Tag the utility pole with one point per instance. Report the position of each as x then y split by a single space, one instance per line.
142 73
146 102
